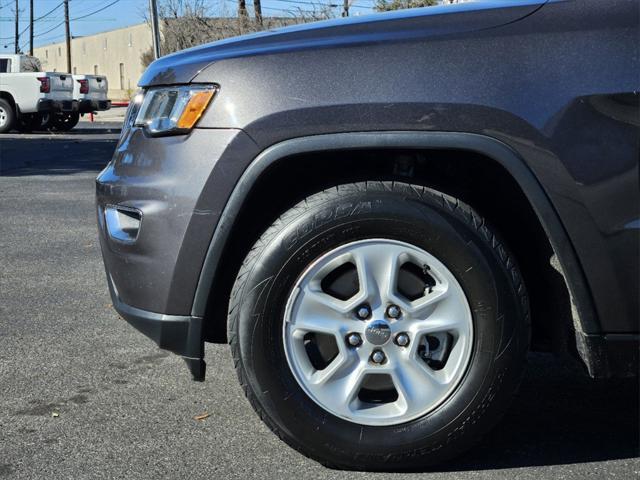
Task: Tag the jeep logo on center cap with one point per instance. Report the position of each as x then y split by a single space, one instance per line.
378 332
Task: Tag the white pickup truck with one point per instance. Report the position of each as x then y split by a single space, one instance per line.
91 93
27 93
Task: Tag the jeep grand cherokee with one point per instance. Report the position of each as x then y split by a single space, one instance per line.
384 214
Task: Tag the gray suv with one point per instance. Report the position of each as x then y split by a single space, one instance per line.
382 215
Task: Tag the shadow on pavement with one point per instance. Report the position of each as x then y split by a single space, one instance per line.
559 417
81 150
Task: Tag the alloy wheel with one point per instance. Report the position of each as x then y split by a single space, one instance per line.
378 332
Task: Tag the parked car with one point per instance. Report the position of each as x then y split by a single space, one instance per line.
27 93
90 91
384 214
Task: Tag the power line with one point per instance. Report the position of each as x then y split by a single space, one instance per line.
35 20
331 5
50 30
293 11
55 37
97 11
48 13
62 22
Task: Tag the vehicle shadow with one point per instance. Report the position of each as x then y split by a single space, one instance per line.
56 154
560 416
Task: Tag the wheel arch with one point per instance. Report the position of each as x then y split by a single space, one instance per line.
9 98
582 310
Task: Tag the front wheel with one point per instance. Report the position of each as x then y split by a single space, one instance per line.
379 326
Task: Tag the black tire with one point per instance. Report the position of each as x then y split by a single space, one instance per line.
46 121
64 122
29 123
445 227
10 114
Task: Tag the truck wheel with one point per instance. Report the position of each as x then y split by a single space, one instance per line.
64 122
379 326
7 116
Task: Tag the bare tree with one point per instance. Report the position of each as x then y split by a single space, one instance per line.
187 23
243 16
257 11
386 5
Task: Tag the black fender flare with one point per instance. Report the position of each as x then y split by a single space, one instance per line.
586 321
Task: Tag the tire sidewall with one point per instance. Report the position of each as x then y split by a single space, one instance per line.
11 117
427 224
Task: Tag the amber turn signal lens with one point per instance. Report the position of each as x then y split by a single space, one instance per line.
195 108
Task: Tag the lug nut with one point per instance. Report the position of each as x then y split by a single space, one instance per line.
363 312
354 339
393 311
402 339
378 357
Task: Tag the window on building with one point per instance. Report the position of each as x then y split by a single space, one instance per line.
95 69
104 44
84 48
122 76
75 71
59 51
130 39
46 54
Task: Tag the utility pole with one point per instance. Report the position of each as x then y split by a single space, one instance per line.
67 34
345 8
155 27
257 8
242 14
17 48
31 27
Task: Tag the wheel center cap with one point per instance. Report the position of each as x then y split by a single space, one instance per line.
378 332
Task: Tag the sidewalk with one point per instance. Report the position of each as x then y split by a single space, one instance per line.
114 114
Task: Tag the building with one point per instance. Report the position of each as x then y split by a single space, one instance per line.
115 54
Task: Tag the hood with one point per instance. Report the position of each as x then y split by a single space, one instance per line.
182 67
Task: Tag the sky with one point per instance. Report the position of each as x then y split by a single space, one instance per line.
102 15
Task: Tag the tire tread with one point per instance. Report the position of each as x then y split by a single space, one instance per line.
458 208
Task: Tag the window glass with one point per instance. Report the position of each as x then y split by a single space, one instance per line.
30 64
5 65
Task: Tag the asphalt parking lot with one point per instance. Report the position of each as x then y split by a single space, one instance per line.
83 395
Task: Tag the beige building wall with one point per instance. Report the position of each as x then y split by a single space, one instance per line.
115 54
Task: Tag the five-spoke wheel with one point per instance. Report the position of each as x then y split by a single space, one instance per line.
379 326
378 332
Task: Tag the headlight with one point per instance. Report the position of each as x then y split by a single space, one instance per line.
173 110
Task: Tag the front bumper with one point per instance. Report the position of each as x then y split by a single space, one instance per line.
88 106
162 180
47 105
156 217
178 334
